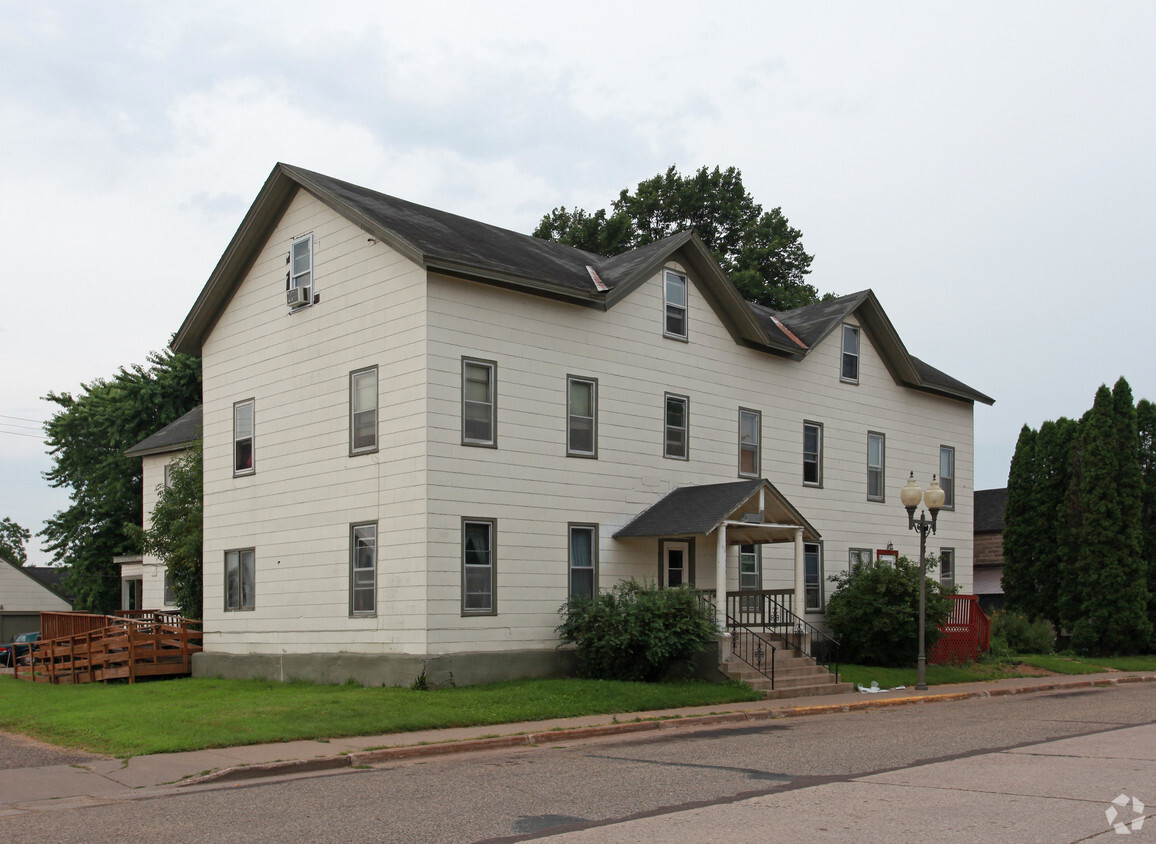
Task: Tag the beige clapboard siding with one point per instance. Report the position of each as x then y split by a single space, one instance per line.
296 510
153 576
528 484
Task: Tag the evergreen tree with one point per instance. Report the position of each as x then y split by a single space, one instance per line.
1053 478
1146 453
1021 535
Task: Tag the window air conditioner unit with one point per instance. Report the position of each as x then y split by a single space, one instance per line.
297 297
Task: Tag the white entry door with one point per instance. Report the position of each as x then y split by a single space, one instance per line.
675 563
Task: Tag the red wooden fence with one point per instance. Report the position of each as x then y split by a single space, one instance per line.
966 635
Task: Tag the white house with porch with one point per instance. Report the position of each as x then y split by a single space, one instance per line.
423 433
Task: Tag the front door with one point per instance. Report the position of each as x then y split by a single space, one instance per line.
675 563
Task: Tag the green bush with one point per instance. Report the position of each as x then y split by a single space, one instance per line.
874 613
1011 632
636 631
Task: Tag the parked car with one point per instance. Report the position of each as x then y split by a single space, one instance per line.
17 648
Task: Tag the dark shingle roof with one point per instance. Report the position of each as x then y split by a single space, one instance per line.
52 577
691 509
989 507
173 437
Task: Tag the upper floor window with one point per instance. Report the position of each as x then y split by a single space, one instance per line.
876 455
675 440
301 262
243 425
947 475
478 566
363 569
750 423
581 417
850 370
674 294
363 411
812 454
478 402
947 566
583 561
240 579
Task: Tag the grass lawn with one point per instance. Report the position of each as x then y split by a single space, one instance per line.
192 714
939 675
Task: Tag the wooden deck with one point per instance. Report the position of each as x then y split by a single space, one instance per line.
92 648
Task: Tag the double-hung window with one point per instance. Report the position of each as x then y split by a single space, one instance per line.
750 578
479 405
363 569
478 566
301 262
813 575
363 411
947 566
850 366
750 425
676 432
243 425
674 298
240 579
876 455
812 454
583 561
581 417
947 475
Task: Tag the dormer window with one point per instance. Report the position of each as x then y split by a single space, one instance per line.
850 370
674 294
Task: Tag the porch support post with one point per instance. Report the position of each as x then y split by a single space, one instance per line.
800 575
720 592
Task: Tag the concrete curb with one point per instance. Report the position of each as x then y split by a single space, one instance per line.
531 739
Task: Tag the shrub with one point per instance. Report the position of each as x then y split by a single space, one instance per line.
636 631
1013 633
874 613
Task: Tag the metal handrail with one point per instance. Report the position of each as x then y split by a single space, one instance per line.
751 649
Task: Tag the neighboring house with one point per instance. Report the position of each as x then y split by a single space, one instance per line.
25 592
143 581
422 433
989 508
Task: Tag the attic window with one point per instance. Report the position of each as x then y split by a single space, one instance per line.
674 295
850 370
301 262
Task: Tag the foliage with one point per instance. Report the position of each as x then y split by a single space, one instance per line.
1146 456
197 713
1013 633
175 535
87 439
636 631
760 250
1022 529
12 539
874 612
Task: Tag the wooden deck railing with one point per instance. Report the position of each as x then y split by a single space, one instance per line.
124 648
966 634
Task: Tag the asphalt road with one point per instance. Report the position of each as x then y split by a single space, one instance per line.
527 793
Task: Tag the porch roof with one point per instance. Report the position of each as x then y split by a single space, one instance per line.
702 509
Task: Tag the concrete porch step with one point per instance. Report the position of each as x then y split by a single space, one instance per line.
809 691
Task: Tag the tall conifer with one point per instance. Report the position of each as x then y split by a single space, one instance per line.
1020 537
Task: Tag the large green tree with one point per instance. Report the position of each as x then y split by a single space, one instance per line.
1023 533
760 250
87 439
12 539
1146 453
174 533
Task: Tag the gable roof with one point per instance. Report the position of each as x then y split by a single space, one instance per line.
458 246
989 507
49 577
176 436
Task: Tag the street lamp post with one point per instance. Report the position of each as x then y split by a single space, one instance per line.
910 495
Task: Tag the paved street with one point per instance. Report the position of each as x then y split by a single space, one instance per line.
964 770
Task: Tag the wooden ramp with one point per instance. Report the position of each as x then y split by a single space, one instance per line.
82 648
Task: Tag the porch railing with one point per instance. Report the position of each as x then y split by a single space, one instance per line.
747 645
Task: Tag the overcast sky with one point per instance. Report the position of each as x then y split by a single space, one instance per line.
989 169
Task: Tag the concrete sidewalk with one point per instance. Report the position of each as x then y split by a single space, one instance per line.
102 780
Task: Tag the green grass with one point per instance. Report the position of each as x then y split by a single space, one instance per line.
939 675
193 714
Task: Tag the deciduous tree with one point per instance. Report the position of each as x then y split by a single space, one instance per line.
12 539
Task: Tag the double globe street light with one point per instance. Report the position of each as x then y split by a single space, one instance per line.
911 495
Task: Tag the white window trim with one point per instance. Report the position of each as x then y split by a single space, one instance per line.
592 529
492 403
949 580
667 305
881 468
295 276
570 416
354 411
758 558
241 606
492 534
855 555
252 438
818 426
758 444
354 588
949 492
858 353
666 427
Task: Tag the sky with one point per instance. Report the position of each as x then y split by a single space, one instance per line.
987 168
